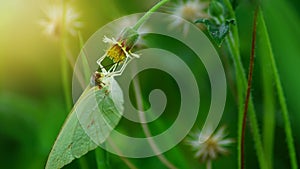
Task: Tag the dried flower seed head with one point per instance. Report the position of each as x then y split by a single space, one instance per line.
122 48
191 11
128 38
214 145
58 18
116 53
119 51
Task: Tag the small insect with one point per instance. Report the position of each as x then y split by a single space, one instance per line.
119 53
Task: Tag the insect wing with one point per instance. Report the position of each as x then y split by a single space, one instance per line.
72 142
100 111
93 117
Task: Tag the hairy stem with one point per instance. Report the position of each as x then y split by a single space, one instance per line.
250 75
233 45
285 113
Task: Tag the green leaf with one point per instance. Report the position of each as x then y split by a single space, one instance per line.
218 32
94 116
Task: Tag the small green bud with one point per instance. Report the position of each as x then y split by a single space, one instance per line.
128 38
215 9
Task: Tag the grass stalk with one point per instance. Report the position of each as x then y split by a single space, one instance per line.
232 41
282 102
269 122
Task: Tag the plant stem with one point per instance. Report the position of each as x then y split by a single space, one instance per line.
208 164
285 113
85 64
83 163
146 129
250 75
148 14
124 159
101 158
64 62
65 73
232 41
241 86
269 103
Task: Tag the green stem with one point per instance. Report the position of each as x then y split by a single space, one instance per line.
146 130
102 158
65 75
86 68
233 46
83 163
208 164
285 113
65 79
268 117
124 159
64 63
268 99
241 85
148 14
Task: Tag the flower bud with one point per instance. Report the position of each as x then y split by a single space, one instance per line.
128 38
215 9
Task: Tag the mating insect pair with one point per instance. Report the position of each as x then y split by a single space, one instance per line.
116 58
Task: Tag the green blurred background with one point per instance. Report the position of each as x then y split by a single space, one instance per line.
32 106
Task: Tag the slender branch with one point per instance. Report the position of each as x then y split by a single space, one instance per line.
250 75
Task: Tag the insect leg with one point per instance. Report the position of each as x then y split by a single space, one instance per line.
112 68
119 72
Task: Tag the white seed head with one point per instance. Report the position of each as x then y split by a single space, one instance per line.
214 145
58 18
190 11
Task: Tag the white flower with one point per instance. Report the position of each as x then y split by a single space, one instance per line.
58 18
213 145
190 11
